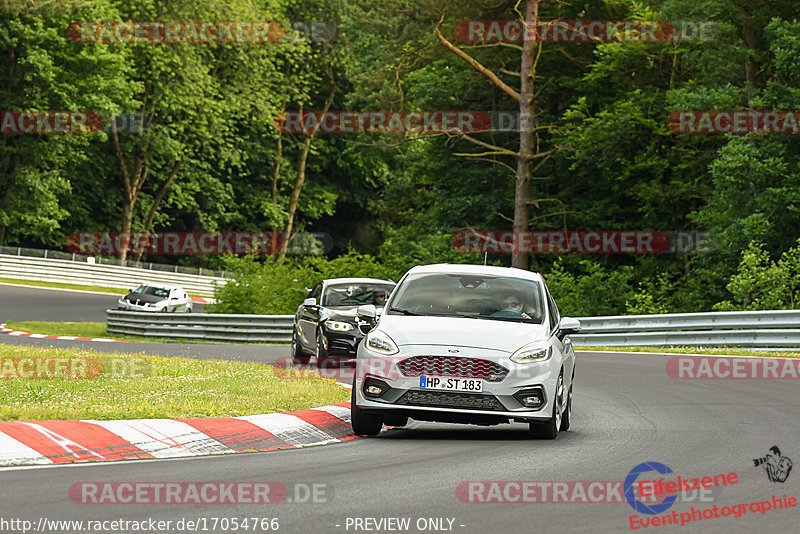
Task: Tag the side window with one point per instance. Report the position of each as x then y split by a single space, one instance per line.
554 316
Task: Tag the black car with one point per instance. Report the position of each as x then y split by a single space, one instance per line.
325 324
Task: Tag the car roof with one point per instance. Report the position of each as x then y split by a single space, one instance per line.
160 285
466 268
330 281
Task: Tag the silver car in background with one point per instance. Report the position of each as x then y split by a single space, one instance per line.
466 344
156 297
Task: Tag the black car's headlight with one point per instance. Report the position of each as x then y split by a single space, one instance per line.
338 326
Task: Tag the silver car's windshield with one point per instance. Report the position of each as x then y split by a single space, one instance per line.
469 295
150 290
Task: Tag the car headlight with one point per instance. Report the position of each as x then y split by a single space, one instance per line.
535 352
338 326
381 343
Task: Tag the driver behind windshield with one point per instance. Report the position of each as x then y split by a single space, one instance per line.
380 298
513 302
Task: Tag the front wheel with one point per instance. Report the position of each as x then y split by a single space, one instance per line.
321 353
567 417
297 351
549 430
363 423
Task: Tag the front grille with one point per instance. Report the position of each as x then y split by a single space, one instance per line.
453 366
448 399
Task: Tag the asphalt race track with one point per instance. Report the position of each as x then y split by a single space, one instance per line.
22 303
626 411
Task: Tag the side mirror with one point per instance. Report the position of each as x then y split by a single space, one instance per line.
366 314
310 301
567 326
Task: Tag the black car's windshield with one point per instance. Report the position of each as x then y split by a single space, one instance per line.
356 294
469 295
150 290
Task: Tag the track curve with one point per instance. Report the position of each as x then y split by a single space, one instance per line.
627 411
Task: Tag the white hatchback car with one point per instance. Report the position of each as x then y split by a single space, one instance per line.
156 297
466 344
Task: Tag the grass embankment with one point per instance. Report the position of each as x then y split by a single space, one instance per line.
61 329
59 285
143 387
724 351
88 329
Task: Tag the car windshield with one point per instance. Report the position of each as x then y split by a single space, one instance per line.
150 290
356 294
469 295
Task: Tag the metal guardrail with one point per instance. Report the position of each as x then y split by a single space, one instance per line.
109 260
202 326
116 276
759 329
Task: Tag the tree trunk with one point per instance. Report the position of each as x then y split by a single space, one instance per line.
127 222
302 158
526 135
160 194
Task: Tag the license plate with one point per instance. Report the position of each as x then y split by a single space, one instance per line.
450 384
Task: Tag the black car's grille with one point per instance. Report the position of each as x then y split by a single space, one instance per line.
448 399
453 366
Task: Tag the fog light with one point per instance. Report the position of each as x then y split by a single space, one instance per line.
374 387
532 401
531 397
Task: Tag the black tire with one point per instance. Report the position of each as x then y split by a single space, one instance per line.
297 350
566 417
395 420
322 353
363 423
549 429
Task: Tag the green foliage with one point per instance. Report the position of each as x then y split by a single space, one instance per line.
644 302
272 287
762 284
593 290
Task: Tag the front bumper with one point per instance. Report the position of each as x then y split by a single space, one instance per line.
127 306
343 345
497 400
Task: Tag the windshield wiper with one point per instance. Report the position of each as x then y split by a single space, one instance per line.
404 312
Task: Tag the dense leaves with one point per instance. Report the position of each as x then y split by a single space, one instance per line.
212 158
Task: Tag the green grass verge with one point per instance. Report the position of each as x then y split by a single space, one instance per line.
727 351
59 285
145 387
61 329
